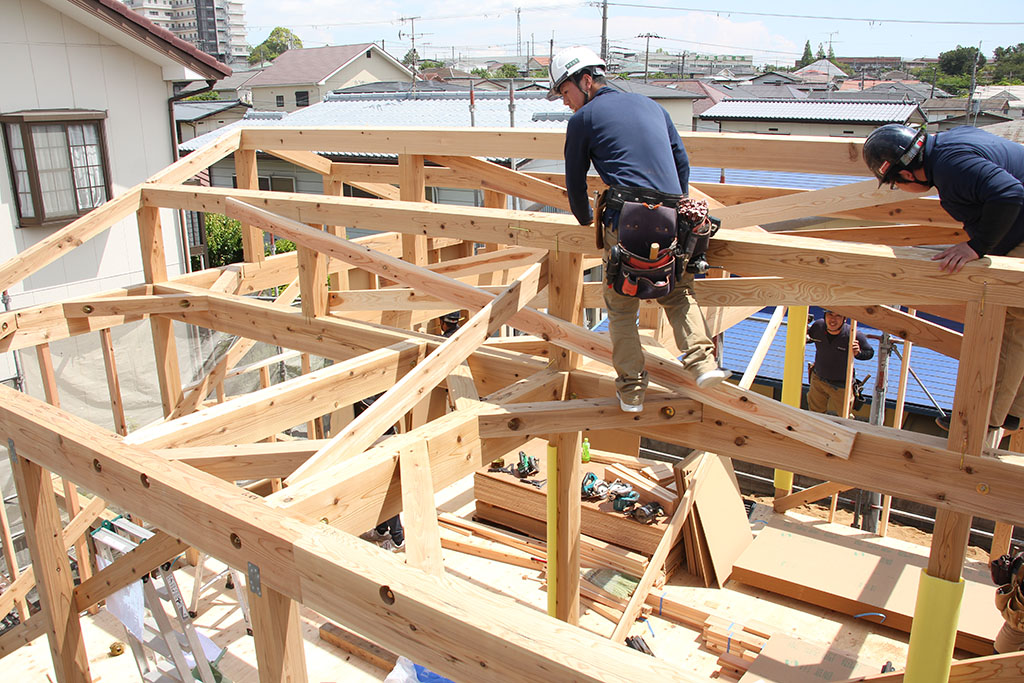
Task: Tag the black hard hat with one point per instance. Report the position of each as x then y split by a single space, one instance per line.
452 318
891 149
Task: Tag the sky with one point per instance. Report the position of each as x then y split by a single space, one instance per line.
773 32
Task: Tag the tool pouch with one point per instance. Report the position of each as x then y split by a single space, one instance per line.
695 228
644 262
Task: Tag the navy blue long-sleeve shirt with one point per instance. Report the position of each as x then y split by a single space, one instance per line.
631 141
971 168
830 350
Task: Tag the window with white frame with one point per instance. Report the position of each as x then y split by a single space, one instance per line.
58 162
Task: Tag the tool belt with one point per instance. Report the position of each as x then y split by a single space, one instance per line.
657 235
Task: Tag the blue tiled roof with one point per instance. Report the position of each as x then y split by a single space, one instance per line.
936 371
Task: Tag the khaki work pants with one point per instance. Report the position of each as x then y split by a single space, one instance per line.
684 315
821 395
1008 398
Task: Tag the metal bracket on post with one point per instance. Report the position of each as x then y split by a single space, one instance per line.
254 580
11 453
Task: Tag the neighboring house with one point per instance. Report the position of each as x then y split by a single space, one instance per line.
443 73
821 72
196 118
1011 130
402 86
939 109
232 87
85 116
299 78
979 120
678 103
807 117
774 78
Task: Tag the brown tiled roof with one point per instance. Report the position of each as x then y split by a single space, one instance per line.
145 31
310 65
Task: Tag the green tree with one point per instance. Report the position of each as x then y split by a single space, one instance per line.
224 241
820 54
411 59
1009 63
431 64
481 72
507 71
279 41
807 57
960 62
831 54
207 96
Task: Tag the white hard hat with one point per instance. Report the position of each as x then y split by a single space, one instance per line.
570 61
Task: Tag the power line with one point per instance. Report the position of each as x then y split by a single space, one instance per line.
875 20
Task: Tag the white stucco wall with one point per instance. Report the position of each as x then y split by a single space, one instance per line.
53 62
848 130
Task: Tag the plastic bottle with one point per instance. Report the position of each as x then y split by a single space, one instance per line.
585 451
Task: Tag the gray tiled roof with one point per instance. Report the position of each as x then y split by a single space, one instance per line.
396 110
193 111
807 110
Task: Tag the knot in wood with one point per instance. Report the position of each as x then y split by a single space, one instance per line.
514 424
740 440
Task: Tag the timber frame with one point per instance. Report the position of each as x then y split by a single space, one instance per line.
178 474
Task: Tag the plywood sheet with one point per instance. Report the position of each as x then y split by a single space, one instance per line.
855 573
791 660
722 517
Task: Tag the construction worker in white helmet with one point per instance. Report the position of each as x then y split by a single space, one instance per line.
635 148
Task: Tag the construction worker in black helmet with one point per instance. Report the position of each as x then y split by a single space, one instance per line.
635 148
979 178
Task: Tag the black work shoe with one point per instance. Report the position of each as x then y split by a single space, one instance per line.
943 422
1011 423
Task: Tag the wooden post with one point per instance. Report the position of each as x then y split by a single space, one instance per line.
71 503
423 536
247 178
567 596
847 409
334 187
52 568
12 558
412 188
155 269
983 329
277 635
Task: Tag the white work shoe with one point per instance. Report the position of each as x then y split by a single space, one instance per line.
708 379
631 400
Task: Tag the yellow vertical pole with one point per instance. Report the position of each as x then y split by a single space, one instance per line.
552 522
792 379
933 633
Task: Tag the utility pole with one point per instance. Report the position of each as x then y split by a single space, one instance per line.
519 34
604 31
647 50
970 96
412 35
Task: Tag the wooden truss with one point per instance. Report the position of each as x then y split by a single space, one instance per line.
178 474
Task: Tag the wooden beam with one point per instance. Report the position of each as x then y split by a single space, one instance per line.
133 306
234 462
23 634
76 233
127 569
906 326
765 343
460 628
50 565
1005 668
264 412
492 176
907 274
809 495
307 160
199 160
550 417
892 235
813 203
422 534
794 423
